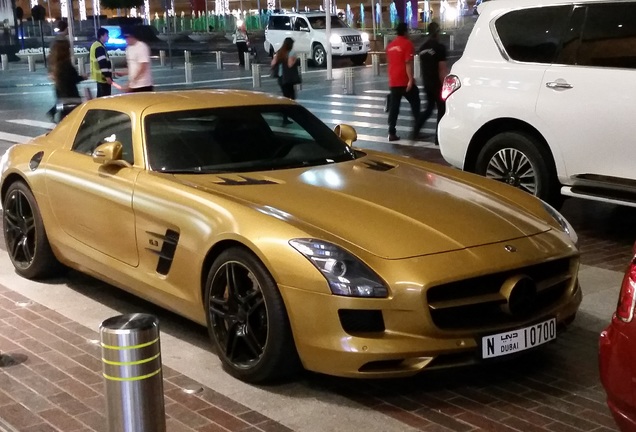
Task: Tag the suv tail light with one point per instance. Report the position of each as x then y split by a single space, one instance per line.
451 84
627 296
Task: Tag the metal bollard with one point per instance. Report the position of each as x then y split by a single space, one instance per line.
303 62
31 60
247 59
348 81
256 75
186 56
188 73
417 66
451 45
386 40
5 62
162 57
131 357
219 59
375 64
80 66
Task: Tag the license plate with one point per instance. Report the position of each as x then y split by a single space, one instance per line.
518 340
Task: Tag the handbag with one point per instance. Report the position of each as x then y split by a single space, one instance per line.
291 75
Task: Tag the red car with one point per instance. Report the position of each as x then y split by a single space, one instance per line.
617 354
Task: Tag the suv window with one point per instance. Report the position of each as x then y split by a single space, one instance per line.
318 22
100 126
300 24
533 35
609 36
279 23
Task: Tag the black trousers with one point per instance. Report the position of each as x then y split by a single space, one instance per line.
397 93
242 49
433 100
103 89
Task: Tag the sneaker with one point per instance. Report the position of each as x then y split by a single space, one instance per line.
393 137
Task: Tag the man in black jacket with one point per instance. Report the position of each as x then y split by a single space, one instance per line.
433 69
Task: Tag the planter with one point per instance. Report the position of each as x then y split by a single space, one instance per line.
168 37
201 37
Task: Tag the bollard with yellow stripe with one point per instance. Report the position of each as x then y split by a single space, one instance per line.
131 358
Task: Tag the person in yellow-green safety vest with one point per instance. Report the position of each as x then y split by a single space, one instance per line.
101 67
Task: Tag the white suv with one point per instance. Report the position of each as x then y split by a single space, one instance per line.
308 32
544 98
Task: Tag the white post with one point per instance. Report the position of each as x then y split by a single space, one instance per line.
5 62
31 60
328 34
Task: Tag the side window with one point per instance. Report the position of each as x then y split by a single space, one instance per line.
533 35
279 23
300 24
100 126
572 37
609 36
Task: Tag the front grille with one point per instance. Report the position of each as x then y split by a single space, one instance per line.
352 39
476 303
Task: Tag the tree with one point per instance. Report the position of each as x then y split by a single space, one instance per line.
121 4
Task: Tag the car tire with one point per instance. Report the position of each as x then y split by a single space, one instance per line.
358 60
319 55
25 237
519 160
247 319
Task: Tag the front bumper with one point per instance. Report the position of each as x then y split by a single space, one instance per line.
405 339
348 49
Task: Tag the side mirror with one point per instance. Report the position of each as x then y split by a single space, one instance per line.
109 153
346 133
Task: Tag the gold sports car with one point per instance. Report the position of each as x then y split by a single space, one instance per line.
245 213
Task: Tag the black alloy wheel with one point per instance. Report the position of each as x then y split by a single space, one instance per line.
24 235
247 319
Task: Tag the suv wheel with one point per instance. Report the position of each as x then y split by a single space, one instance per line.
319 55
519 160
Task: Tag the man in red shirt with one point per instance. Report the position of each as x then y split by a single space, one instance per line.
399 55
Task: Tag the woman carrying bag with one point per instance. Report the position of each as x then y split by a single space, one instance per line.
65 78
285 67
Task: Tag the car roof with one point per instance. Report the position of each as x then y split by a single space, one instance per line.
155 102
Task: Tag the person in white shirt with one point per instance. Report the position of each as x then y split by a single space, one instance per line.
138 60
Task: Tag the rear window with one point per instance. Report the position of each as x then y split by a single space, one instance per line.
533 35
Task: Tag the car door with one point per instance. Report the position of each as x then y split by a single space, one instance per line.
302 38
92 202
589 95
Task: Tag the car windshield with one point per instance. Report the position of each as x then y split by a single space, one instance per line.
318 22
240 139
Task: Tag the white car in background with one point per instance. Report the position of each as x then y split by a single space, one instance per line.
310 37
543 98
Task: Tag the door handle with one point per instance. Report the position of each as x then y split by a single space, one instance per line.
558 85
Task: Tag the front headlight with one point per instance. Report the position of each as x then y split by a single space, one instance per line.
335 40
365 37
563 222
346 274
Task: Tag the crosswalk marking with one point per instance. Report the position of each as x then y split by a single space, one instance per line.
14 138
36 123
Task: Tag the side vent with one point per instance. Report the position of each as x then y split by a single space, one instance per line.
168 249
378 165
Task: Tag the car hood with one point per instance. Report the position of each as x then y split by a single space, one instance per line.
390 209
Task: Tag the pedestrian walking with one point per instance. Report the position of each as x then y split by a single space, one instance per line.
285 67
433 69
65 77
101 67
138 61
61 28
241 41
400 54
